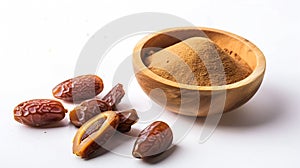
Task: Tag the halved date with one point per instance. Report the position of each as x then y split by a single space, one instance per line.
153 140
87 110
39 112
95 133
78 88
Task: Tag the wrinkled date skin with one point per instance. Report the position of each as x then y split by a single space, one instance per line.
90 108
114 96
94 134
87 110
127 119
78 88
153 140
39 112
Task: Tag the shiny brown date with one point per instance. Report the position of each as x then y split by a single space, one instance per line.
39 112
95 133
114 96
87 110
78 88
153 140
127 119
90 108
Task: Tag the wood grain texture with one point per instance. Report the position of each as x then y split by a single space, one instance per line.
195 100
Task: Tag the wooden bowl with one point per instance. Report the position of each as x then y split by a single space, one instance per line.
195 100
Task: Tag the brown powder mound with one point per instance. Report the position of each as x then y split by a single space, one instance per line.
197 61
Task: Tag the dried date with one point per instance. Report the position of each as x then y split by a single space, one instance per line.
39 112
95 133
114 96
90 108
78 88
127 119
87 110
153 140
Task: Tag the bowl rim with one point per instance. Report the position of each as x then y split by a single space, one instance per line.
256 73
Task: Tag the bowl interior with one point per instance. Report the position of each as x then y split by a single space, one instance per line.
234 45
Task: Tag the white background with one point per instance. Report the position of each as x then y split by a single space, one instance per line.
40 42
